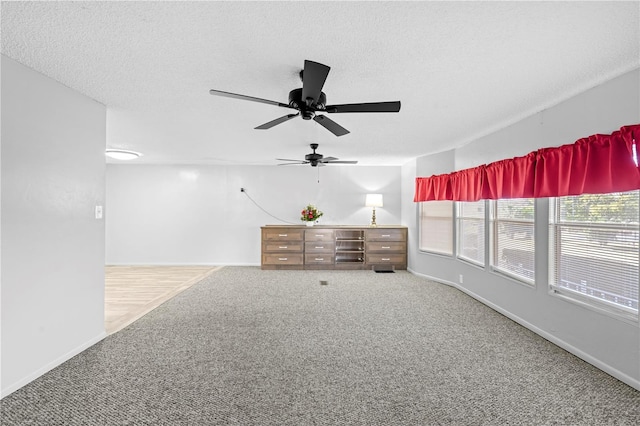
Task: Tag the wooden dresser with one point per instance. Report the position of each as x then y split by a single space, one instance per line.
334 247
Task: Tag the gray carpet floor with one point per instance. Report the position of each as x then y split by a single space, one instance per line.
252 347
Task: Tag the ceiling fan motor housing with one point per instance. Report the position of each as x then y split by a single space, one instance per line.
307 110
313 158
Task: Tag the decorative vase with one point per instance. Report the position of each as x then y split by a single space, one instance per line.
310 223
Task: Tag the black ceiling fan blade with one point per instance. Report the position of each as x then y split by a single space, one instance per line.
276 121
343 162
288 159
297 163
247 98
365 107
313 77
330 125
327 159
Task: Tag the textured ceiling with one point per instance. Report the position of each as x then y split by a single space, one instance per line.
460 69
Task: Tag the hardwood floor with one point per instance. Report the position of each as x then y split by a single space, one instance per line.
133 291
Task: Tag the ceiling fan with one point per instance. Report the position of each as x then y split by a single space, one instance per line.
315 159
310 99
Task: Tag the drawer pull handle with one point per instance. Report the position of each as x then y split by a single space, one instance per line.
386 235
284 247
386 247
319 247
321 236
282 235
319 258
282 258
386 258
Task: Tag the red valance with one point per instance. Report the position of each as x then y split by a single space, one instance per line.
512 178
433 188
596 164
467 184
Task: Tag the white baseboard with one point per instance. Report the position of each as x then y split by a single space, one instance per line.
180 264
625 378
50 366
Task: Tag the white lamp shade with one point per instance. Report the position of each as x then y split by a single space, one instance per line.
373 200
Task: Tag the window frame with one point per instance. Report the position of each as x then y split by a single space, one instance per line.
606 307
494 223
459 218
421 249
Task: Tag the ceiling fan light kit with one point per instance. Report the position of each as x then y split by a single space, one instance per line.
310 99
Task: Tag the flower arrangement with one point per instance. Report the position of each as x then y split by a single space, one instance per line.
310 214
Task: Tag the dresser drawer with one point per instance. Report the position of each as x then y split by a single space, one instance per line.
282 234
386 247
319 235
386 235
384 259
319 247
282 259
318 259
283 246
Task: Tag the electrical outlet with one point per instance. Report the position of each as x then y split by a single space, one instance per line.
461 279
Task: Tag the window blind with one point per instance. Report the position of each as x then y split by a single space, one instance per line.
471 241
513 248
594 249
436 227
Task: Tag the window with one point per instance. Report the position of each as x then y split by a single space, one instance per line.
594 250
436 227
512 238
470 220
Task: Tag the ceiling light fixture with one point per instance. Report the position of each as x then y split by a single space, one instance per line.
121 154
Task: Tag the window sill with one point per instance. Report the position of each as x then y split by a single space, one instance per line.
436 253
610 311
514 278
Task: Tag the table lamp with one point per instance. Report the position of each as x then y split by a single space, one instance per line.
373 200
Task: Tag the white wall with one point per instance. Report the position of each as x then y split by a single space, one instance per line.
197 214
53 168
408 211
609 343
